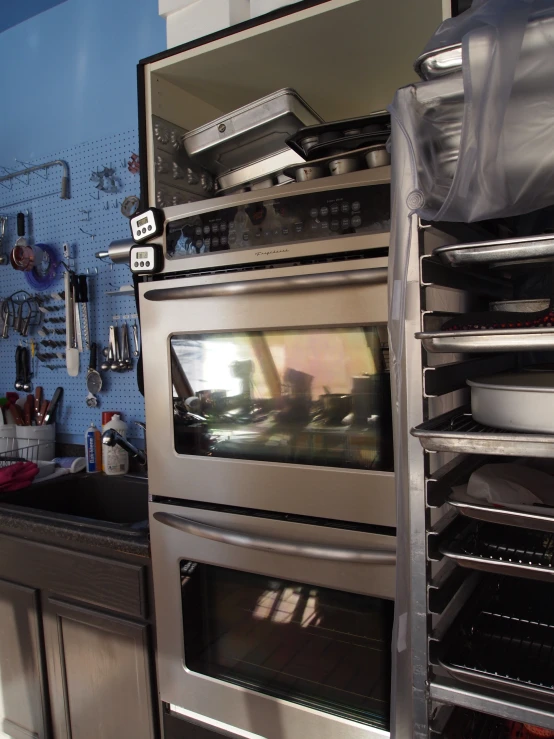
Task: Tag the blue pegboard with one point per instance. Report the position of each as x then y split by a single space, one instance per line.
54 221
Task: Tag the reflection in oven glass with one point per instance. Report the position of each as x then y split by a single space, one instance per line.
309 396
318 647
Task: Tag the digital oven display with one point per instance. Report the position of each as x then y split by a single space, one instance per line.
287 222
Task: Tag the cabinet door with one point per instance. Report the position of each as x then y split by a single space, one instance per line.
98 674
23 709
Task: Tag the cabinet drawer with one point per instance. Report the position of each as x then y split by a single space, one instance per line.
106 583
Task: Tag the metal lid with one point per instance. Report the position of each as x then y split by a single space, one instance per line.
260 102
439 62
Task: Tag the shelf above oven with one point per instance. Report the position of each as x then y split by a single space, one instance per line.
344 57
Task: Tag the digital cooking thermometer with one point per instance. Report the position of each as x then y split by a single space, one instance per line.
146 258
147 225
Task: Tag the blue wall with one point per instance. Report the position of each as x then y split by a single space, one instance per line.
13 13
68 89
68 75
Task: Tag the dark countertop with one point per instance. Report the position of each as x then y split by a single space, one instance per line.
71 536
69 512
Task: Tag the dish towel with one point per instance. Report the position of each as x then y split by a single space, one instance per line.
17 476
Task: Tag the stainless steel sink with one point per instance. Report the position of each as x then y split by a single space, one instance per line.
96 501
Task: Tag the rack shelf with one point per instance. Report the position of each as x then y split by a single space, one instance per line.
515 340
457 432
486 547
466 724
498 253
527 517
513 708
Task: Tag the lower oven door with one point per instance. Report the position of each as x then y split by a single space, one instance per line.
271 628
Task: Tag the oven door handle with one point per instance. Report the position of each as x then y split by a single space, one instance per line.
352 278
276 546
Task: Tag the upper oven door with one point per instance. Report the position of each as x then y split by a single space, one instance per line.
269 390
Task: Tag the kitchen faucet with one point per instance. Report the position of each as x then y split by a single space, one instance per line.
111 438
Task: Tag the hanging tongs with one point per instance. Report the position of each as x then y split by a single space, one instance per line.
7 311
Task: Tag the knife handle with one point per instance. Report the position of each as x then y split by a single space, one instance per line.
38 399
28 410
42 412
82 291
50 415
15 410
21 224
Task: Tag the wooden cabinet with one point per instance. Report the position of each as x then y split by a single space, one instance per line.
23 708
76 659
99 674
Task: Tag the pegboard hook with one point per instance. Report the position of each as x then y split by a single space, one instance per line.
92 236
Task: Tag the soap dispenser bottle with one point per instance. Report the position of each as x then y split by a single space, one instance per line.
115 460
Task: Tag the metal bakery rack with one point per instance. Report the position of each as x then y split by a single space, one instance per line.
482 575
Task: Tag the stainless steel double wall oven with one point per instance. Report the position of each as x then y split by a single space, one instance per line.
270 460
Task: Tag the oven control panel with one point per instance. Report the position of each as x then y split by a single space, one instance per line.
319 215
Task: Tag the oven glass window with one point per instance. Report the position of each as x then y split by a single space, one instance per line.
308 396
321 648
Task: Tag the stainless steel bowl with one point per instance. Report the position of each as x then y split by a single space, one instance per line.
262 184
343 165
377 156
309 142
307 172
